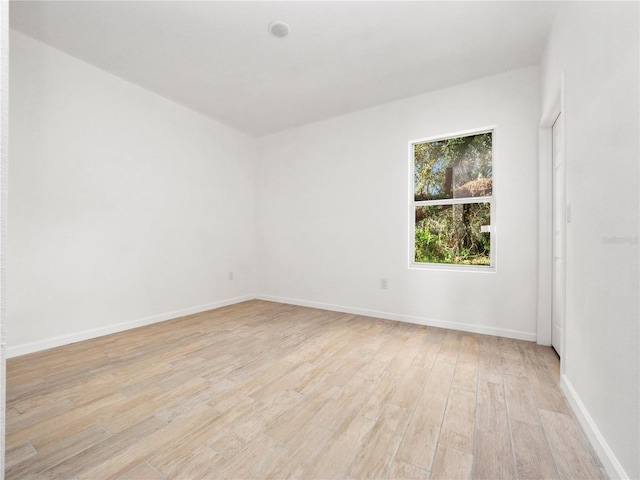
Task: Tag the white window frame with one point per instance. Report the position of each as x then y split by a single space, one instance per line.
492 267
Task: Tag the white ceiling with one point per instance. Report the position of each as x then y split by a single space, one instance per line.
217 57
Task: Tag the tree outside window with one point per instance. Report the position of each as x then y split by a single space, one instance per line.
453 200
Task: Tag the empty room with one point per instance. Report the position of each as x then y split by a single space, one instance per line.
320 240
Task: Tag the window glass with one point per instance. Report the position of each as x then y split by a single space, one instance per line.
456 234
453 200
457 167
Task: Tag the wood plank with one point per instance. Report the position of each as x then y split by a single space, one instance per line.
545 389
244 431
38 415
336 411
459 421
521 403
377 365
339 452
177 457
452 464
253 461
469 349
420 440
123 419
300 451
384 389
450 348
53 430
170 412
54 454
465 376
346 372
408 391
573 457
290 422
143 472
492 407
490 366
165 438
268 392
426 355
402 360
378 451
169 460
201 465
404 471
493 457
101 452
532 455
439 380
18 454
513 363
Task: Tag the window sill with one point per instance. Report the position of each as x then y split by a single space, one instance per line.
452 267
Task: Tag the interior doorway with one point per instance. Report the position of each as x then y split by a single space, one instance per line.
558 242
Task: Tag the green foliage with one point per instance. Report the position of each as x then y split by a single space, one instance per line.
452 234
467 159
454 168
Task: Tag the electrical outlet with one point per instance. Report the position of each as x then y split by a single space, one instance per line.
383 283
230 275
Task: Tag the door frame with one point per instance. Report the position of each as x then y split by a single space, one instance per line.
4 159
545 217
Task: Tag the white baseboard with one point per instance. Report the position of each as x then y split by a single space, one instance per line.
119 327
27 348
465 327
600 445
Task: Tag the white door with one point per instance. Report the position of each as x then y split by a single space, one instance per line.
557 300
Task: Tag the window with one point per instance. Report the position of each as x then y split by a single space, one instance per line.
453 203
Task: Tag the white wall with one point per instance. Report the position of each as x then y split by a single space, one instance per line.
4 155
333 216
597 47
123 206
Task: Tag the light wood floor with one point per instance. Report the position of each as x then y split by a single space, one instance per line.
264 390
